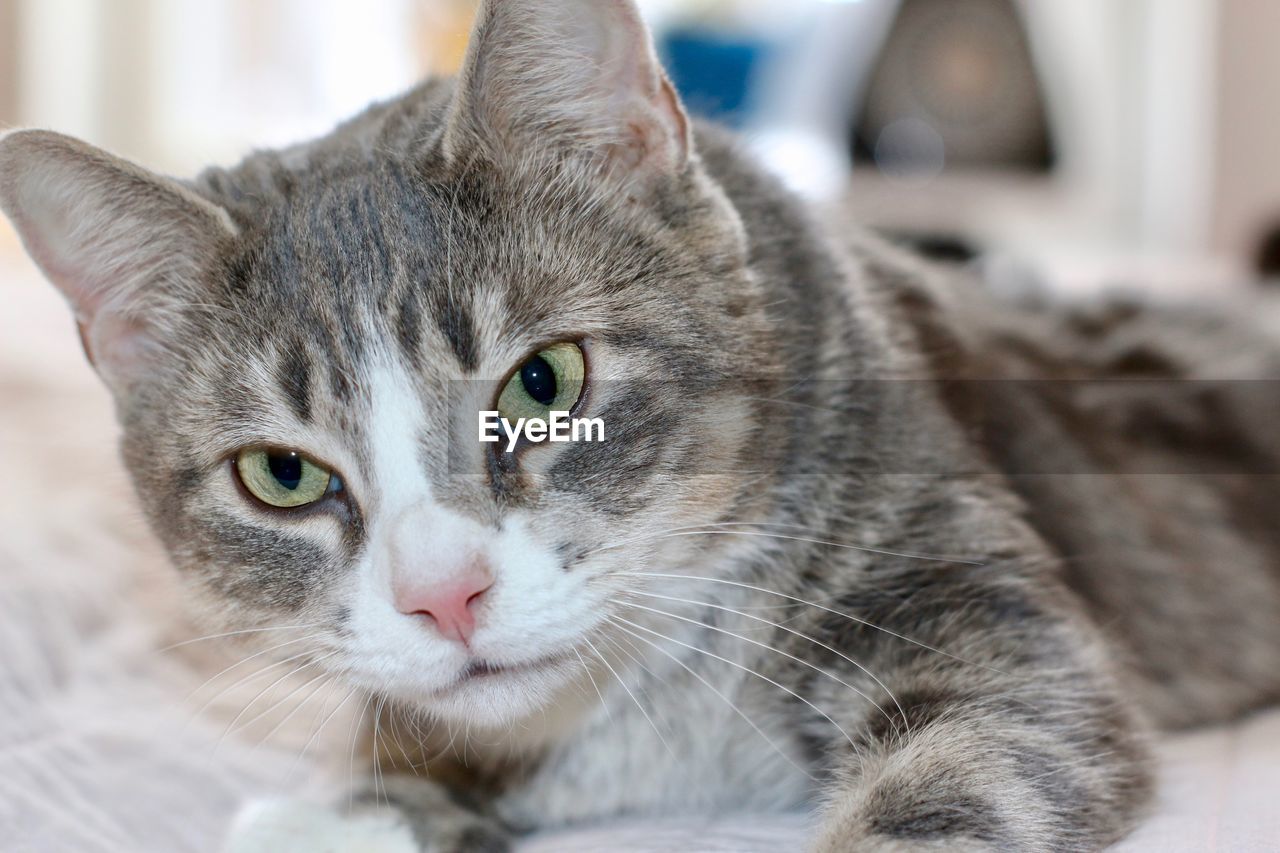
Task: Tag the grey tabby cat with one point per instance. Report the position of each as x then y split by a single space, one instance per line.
816 563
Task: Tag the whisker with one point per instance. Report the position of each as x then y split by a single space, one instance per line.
323 678
723 698
934 558
633 654
812 666
314 725
287 696
771 623
266 690
241 663
421 725
453 737
351 763
243 680
632 695
608 714
746 669
377 751
424 737
830 610
315 734
393 720
579 688
713 527
796 403
236 634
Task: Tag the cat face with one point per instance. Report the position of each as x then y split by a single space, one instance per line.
299 348
372 371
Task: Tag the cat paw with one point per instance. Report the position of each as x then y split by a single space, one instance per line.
294 826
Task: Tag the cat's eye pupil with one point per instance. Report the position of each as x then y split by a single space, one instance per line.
539 380
286 468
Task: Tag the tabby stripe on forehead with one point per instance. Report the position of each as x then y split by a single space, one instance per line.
293 373
455 322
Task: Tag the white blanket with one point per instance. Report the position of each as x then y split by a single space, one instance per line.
100 748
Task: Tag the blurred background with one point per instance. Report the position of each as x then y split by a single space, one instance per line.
1093 141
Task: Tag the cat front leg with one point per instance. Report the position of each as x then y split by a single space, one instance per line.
1022 745
400 814
299 826
438 821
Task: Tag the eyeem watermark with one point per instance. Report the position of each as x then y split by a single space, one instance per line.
557 427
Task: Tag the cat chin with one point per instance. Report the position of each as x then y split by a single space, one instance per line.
497 697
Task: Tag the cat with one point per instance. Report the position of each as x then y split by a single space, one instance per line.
861 538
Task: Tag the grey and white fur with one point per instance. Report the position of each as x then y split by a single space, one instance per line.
827 557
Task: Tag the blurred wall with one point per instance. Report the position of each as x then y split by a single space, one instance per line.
1163 107
1247 198
8 62
65 79
182 83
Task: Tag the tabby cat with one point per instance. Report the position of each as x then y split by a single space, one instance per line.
860 538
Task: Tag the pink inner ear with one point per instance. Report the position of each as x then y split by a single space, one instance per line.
668 105
75 285
84 342
122 349
116 346
649 109
656 134
602 87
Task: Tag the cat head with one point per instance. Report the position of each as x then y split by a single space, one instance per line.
298 348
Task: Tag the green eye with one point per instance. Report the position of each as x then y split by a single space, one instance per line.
284 478
551 381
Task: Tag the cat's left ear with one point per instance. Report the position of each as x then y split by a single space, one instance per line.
568 79
123 245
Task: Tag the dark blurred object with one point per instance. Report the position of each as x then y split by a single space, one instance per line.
713 71
1268 259
943 248
955 86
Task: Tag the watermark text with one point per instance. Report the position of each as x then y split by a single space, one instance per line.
556 427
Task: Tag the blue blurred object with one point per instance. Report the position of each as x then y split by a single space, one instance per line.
714 72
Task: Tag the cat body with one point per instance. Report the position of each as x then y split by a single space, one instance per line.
862 538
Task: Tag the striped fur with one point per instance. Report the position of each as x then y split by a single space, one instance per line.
828 555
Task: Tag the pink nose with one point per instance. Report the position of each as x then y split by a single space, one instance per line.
449 604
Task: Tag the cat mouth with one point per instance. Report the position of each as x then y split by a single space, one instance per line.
483 672
484 669
479 670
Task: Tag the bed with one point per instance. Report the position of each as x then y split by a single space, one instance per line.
101 747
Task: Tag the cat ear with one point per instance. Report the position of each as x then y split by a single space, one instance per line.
568 78
123 245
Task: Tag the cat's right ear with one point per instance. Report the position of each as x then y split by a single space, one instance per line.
570 81
123 245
